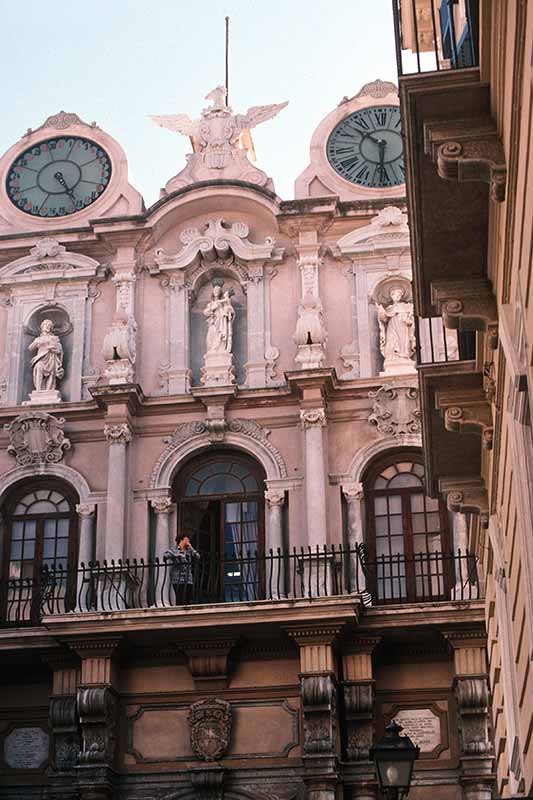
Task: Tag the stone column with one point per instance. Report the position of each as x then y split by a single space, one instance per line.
163 508
118 437
472 693
97 711
318 677
275 568
313 421
86 513
353 495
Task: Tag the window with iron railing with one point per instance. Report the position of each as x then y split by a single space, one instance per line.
434 35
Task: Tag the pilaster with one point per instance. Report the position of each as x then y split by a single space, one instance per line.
358 692
318 685
64 726
472 694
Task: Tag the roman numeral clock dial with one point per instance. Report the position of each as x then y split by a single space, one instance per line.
366 148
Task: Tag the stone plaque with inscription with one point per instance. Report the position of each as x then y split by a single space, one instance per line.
422 725
26 748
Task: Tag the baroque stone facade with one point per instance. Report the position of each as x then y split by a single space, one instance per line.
194 539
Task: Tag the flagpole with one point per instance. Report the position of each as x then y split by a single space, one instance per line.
227 61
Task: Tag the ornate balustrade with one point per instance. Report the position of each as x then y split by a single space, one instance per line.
304 573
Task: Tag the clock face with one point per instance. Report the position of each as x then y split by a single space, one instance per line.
366 148
58 177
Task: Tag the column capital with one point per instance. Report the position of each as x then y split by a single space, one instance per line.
353 492
275 497
118 433
162 505
86 509
313 417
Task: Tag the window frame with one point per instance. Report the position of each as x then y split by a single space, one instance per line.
71 564
408 534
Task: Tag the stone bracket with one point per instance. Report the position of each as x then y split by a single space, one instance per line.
208 782
467 411
468 150
466 305
466 496
209 661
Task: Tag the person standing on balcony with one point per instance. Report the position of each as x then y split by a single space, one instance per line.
182 558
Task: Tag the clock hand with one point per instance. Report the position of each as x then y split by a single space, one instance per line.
59 177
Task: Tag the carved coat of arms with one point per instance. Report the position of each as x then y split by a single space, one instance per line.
210 724
395 410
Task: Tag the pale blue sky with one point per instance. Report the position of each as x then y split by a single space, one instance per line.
117 61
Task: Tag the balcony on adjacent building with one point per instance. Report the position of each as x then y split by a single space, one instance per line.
304 575
455 168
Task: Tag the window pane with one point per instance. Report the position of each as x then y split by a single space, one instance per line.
49 548
249 511
382 526
417 502
250 484
396 523
418 469
380 483
222 484
404 480
16 550
433 522
390 472
42 507
395 504
29 548
380 506
432 504
192 488
404 466
418 523
17 530
233 512
239 470
50 528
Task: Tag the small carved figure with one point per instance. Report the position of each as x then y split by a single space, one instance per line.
48 362
396 327
182 558
310 325
220 316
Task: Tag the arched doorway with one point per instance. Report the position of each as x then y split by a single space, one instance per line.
41 527
220 500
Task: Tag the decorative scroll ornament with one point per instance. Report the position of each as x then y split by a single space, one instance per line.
47 248
395 410
118 434
313 417
218 239
210 726
61 122
37 438
378 88
220 141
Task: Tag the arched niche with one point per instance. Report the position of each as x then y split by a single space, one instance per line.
64 330
200 297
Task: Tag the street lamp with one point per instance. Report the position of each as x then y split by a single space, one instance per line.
394 757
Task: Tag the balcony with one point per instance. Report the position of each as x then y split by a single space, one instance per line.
432 36
307 575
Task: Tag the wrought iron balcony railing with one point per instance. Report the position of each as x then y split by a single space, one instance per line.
436 344
299 574
433 35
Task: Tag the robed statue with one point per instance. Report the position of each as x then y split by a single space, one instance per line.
220 316
396 328
47 362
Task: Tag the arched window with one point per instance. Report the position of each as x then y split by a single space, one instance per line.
41 531
220 501
408 533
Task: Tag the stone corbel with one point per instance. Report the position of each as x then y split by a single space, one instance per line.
208 782
215 400
468 150
466 496
209 662
467 306
63 712
358 693
467 411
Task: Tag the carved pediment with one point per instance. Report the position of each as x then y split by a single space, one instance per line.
218 240
50 261
388 229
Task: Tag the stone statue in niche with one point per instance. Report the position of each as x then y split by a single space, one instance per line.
47 364
396 332
220 316
218 367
